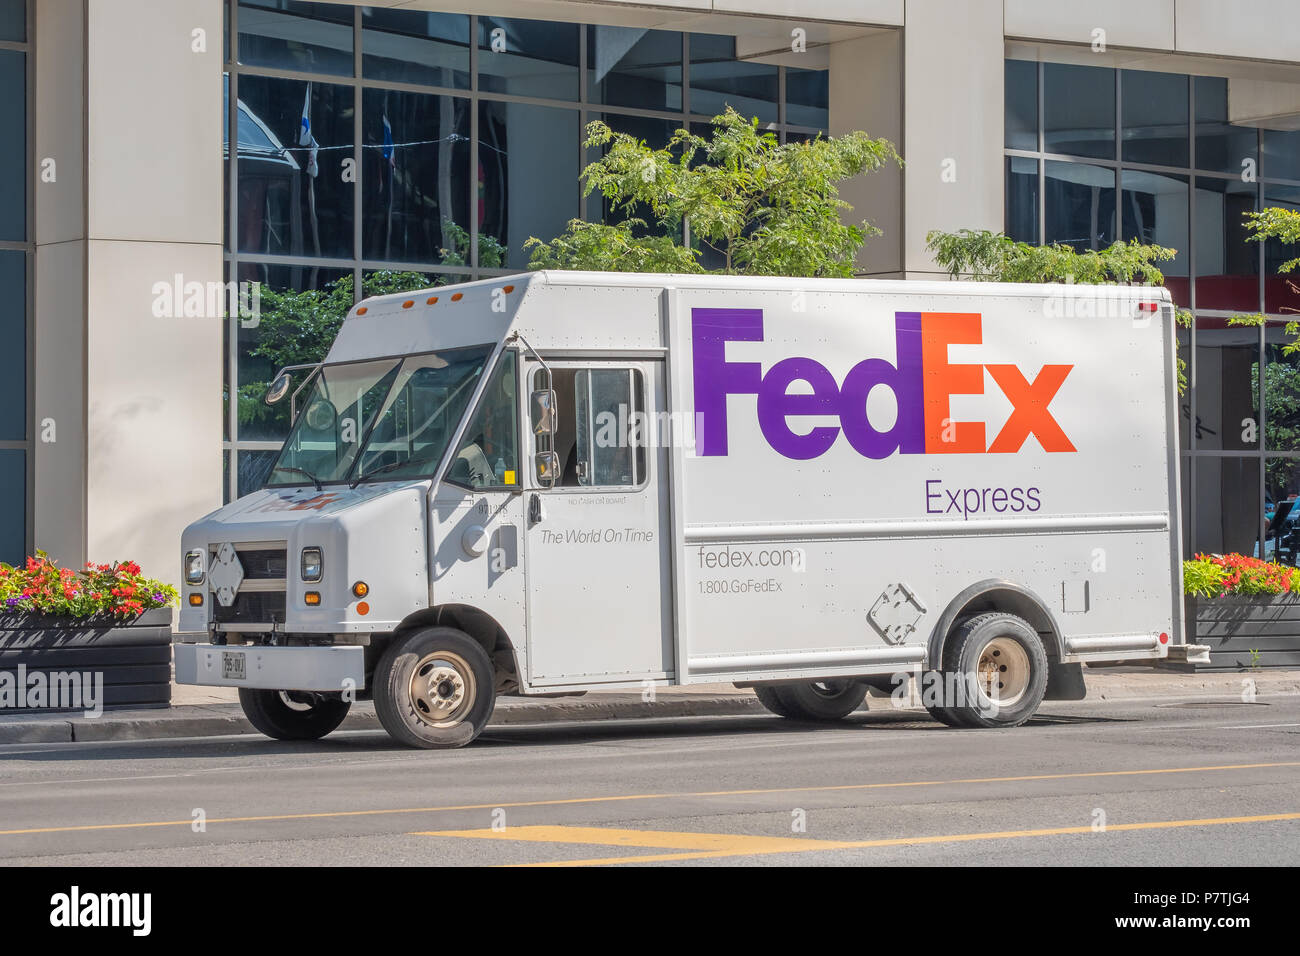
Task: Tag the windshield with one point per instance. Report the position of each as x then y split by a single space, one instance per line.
394 414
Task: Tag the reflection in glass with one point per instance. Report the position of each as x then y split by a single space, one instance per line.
1020 86
1079 110
1227 266
293 139
1227 399
1281 159
1154 114
1220 146
13 347
807 97
528 158
415 47
1022 199
415 176
1281 391
1281 291
1155 211
1228 506
307 37
633 66
254 469
1281 511
13 145
719 80
1079 205
528 57
13 511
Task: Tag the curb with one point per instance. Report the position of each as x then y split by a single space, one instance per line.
219 720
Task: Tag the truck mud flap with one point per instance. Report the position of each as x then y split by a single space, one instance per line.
1065 682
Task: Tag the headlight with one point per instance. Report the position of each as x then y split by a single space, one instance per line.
194 567
311 564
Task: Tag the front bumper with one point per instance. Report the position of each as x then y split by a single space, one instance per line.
271 668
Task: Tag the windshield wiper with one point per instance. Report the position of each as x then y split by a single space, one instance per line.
391 466
303 471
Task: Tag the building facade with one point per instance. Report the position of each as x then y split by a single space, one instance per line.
435 137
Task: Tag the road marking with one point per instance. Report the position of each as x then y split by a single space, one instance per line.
700 846
1258 726
617 798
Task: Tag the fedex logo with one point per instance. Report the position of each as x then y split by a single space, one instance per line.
921 378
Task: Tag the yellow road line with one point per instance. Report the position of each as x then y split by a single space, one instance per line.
704 846
616 798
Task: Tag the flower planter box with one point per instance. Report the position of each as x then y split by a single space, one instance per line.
1235 624
134 656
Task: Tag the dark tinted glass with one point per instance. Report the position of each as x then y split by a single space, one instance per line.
13 505
294 137
254 468
1220 146
1228 506
1281 158
415 47
1279 294
1281 391
1020 87
13 20
1079 205
13 145
631 66
719 80
1227 406
1079 110
1154 113
1022 199
1227 266
13 345
528 57
807 97
416 172
1282 524
311 37
1154 207
529 172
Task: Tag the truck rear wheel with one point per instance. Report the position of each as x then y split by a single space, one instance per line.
995 672
815 700
292 715
433 688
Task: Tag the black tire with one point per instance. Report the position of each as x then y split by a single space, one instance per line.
995 647
293 715
434 688
818 700
769 698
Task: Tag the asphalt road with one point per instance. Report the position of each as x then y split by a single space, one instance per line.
1193 783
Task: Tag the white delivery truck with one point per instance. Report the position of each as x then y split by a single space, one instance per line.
561 482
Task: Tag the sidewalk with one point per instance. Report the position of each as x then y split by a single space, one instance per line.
213 711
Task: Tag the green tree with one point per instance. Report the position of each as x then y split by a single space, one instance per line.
992 257
763 207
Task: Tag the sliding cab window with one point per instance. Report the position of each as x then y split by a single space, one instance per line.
488 457
600 426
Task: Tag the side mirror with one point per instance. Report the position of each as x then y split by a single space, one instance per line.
279 388
544 404
548 468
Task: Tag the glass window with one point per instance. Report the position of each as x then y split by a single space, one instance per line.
308 37
13 145
489 452
600 426
528 158
1281 158
1155 211
1020 87
419 417
528 57
1281 391
1282 510
1185 493
1280 292
13 505
13 22
719 80
1022 199
294 137
415 47
1227 400
1228 506
632 66
415 168
1079 110
1227 266
807 97
13 345
1154 113
254 470
1220 146
1080 205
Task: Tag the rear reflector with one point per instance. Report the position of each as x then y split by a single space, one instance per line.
1148 306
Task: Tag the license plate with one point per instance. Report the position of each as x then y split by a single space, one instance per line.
232 666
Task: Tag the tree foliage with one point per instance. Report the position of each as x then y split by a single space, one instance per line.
763 207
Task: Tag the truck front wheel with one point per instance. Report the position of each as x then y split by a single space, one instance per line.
816 700
433 688
292 715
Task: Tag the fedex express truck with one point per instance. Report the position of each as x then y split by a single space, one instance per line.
562 482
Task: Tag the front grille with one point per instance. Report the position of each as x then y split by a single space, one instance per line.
263 564
251 607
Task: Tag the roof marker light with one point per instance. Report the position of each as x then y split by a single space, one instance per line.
431 300
456 296
509 289
408 303
361 311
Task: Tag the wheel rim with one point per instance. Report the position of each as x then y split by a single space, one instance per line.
442 689
1003 673
298 702
829 688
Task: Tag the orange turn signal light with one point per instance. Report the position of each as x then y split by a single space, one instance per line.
456 296
361 589
312 598
196 600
